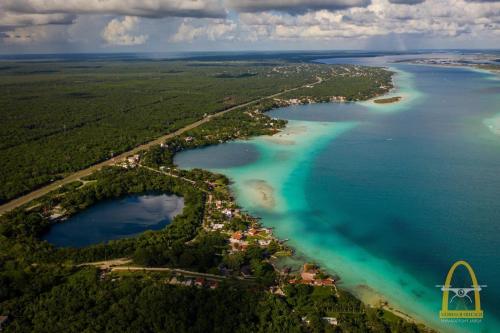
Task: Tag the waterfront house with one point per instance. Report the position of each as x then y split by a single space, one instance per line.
308 272
324 282
253 232
267 230
237 241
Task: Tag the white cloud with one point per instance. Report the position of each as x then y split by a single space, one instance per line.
259 21
118 32
142 8
33 35
213 30
447 18
437 19
9 19
294 6
406 2
30 13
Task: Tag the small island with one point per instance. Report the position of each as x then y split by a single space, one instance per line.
388 100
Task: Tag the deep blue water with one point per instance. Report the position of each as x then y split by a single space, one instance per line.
115 219
420 188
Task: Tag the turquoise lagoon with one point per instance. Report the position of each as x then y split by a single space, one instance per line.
387 197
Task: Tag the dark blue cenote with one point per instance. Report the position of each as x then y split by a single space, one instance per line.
115 219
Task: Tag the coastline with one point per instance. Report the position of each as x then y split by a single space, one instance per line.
262 193
273 182
368 297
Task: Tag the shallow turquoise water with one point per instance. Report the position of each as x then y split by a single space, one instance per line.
115 219
387 197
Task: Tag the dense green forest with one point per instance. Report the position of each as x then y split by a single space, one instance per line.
59 117
83 302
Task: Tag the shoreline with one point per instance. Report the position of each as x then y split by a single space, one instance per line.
472 67
370 297
378 300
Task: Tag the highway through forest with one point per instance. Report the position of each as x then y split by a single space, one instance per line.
88 171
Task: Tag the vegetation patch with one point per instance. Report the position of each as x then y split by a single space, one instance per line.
234 76
388 100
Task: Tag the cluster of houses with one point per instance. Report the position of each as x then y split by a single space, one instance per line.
338 99
307 100
228 213
239 240
227 209
310 275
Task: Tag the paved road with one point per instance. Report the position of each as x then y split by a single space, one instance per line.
85 172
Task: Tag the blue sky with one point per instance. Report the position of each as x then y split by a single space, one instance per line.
53 26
